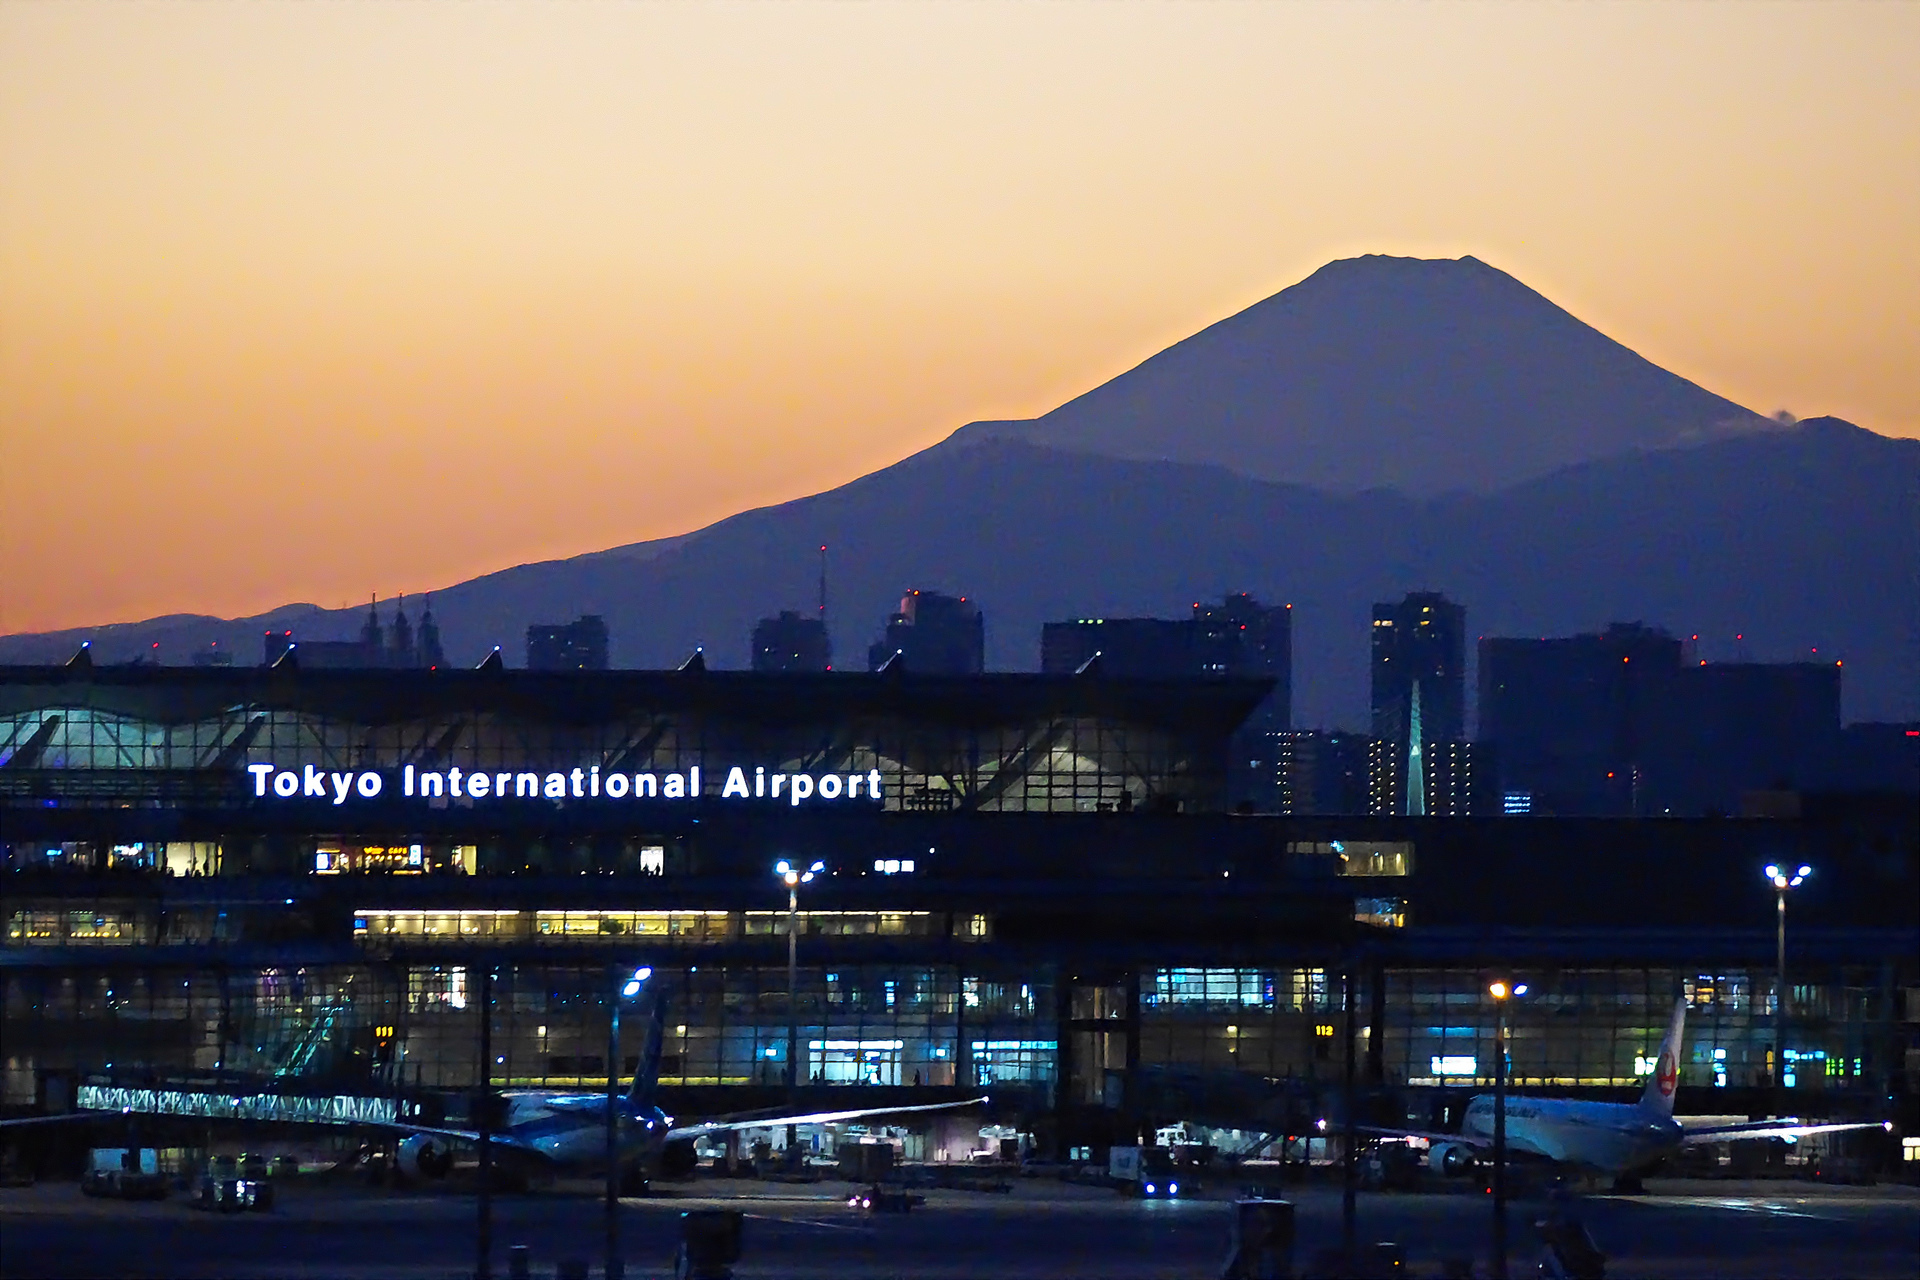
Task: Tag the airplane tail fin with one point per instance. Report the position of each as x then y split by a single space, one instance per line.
1657 1098
646 1074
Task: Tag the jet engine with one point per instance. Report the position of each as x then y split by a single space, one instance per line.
1450 1159
424 1156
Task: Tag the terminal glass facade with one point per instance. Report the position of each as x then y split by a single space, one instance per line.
381 1027
1048 903
1028 750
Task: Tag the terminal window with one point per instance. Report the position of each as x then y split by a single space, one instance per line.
1362 857
59 928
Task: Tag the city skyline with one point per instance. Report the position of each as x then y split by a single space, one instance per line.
615 615
459 290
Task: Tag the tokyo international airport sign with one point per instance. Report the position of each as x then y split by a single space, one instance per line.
271 782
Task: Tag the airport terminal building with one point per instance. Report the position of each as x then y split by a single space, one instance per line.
299 883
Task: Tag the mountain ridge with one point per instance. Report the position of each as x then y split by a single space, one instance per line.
1736 534
1385 424
1426 375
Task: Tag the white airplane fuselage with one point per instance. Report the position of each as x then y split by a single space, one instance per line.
570 1130
1608 1137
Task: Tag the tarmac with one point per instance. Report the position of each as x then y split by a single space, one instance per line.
1679 1230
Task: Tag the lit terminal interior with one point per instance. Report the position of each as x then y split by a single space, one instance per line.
241 878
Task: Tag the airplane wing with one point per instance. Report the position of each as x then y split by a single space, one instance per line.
402 1127
1771 1129
679 1132
1456 1139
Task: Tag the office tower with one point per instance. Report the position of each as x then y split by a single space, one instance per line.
569 646
1418 644
1451 777
1449 784
428 641
397 646
933 634
371 636
1139 647
400 649
1237 637
1242 637
1566 720
1618 724
1721 730
1876 757
1318 772
791 642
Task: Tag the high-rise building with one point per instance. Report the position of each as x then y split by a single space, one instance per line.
372 636
1619 723
400 650
580 645
1126 647
791 642
1419 673
428 650
1242 637
1876 757
1318 772
1567 720
395 646
1723 729
1237 637
1448 786
933 634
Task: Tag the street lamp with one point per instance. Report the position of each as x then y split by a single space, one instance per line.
1782 880
793 877
1501 992
628 990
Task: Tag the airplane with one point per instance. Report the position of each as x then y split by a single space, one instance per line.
541 1132
1616 1139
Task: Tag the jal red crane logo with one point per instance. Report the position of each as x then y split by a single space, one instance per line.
1666 1073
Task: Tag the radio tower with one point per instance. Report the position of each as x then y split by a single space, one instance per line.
823 599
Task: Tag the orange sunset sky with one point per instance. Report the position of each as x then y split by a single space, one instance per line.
304 301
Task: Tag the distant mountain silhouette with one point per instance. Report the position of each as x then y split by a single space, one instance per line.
1404 373
1797 537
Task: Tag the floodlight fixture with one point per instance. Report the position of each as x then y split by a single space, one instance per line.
792 876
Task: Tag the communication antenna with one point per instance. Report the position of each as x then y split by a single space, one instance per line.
823 584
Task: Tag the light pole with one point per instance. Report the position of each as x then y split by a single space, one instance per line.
793 877
1501 992
627 990
1781 881
1349 1161
486 1118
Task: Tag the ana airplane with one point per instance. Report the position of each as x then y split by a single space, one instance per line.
542 1132
1616 1139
